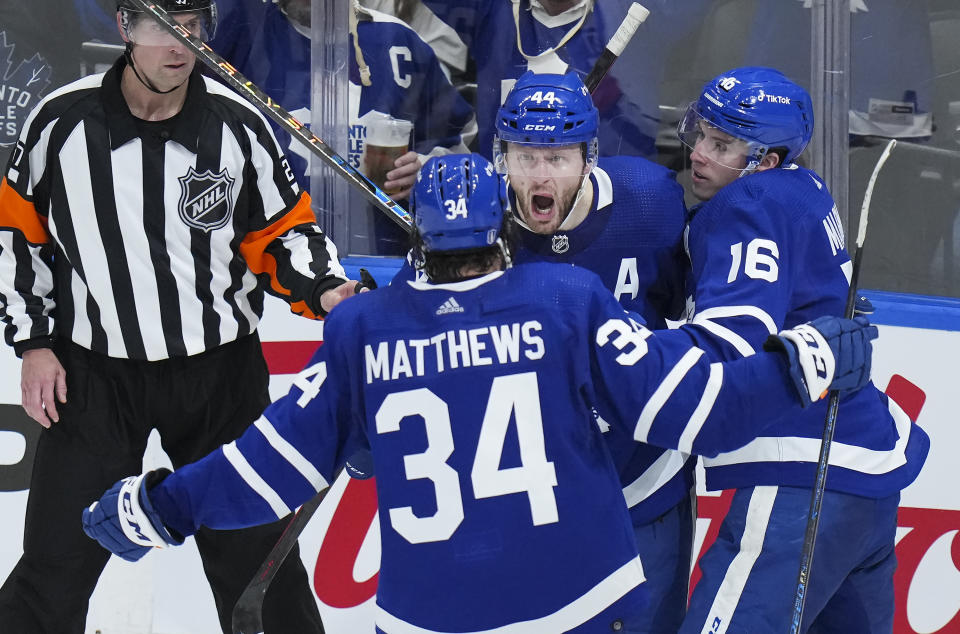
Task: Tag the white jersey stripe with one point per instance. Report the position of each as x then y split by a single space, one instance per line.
254 481
177 235
655 476
699 416
127 178
93 254
220 278
794 449
580 610
706 319
663 392
735 579
82 332
296 459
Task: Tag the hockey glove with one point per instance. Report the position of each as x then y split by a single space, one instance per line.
124 521
828 353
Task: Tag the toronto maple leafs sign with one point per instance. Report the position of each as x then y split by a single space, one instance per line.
22 84
206 200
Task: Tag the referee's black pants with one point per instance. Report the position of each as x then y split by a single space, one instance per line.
196 403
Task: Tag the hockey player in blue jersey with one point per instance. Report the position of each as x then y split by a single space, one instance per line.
767 253
475 394
622 218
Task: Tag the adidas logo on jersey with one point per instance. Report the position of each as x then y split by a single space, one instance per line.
449 306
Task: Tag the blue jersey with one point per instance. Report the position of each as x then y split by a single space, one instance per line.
631 238
476 400
407 81
627 98
767 253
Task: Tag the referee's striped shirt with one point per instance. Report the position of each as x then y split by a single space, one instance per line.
147 240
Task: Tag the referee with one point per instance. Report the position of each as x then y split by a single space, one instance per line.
143 214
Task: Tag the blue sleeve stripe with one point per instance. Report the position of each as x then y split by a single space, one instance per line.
706 317
254 481
296 459
704 407
663 393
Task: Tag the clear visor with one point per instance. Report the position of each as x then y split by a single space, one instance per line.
145 30
715 145
544 161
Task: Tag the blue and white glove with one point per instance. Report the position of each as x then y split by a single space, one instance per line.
828 353
124 521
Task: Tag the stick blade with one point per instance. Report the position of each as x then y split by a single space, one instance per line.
246 616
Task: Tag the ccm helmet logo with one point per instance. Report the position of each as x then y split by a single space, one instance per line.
540 127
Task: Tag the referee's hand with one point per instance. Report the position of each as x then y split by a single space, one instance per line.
334 296
43 382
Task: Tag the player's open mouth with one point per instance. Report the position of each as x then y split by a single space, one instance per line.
698 177
542 204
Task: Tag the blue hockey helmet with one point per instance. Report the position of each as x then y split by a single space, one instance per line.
547 109
458 202
758 105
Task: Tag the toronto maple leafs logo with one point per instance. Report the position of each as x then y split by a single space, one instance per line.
206 201
22 85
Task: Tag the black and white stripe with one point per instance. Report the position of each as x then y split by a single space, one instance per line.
131 279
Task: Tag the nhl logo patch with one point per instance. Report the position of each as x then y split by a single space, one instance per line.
560 243
206 202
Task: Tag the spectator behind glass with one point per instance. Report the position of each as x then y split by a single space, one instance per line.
506 38
269 44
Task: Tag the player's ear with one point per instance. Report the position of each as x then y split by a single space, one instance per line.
770 160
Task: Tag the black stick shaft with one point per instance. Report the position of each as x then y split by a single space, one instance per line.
634 18
248 612
823 461
284 119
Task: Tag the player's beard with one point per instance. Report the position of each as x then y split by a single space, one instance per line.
561 202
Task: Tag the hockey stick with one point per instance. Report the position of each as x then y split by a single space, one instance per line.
634 18
816 498
284 119
247 614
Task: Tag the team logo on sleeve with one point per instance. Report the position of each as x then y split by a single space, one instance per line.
206 202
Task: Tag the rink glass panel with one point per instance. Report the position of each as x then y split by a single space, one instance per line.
904 83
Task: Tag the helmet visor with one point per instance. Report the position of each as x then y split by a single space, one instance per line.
542 161
145 30
716 145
